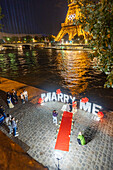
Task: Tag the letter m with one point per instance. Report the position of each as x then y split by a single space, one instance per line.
85 106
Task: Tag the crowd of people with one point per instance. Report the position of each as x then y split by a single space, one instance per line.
10 122
12 98
12 125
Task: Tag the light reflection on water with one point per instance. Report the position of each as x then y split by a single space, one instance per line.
49 69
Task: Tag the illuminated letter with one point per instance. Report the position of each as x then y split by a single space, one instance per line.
85 106
66 98
73 98
54 96
60 97
43 95
46 98
94 109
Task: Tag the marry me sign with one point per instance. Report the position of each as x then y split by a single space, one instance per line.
64 98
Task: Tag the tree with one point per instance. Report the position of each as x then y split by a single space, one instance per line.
50 38
14 39
7 39
98 23
37 38
28 38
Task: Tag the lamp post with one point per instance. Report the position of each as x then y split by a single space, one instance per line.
58 156
58 166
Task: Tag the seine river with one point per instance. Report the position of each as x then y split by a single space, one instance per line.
50 69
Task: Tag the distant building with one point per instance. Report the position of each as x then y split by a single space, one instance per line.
2 34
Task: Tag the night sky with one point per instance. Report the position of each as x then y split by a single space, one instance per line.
33 16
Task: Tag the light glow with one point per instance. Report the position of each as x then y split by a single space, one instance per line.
71 17
87 106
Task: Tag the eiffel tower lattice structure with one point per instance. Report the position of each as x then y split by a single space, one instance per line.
70 26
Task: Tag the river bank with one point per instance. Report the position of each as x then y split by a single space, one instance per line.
12 156
37 133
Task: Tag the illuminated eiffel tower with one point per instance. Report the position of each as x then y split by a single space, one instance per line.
69 26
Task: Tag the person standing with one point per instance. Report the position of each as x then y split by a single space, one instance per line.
2 111
8 94
81 139
55 114
22 98
74 106
9 102
25 93
8 123
14 97
14 126
70 104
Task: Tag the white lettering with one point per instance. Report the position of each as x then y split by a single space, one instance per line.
85 106
54 96
94 109
66 98
48 97
72 98
43 96
60 97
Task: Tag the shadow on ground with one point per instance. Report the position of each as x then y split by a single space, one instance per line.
90 132
12 156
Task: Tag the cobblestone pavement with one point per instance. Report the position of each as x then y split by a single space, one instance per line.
37 131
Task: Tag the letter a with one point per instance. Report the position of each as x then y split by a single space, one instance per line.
54 96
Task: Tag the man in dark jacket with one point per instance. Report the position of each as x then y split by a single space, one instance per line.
2 111
70 104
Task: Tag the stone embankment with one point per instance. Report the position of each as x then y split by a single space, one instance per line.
37 135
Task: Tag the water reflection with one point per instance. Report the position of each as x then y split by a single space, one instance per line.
76 65
49 69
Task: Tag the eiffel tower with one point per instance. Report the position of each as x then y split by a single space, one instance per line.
69 26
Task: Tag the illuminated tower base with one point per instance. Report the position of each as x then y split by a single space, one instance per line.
70 26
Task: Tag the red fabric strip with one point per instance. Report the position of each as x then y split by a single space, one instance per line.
63 139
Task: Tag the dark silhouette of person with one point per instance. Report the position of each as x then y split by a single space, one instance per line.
70 104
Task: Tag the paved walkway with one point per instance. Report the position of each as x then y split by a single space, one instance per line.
37 136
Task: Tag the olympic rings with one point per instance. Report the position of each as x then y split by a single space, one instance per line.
71 17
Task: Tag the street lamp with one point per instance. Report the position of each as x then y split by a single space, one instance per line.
58 163
58 156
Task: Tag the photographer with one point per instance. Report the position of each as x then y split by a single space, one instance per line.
55 114
8 123
14 126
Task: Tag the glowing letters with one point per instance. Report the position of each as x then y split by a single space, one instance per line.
87 107
96 108
53 96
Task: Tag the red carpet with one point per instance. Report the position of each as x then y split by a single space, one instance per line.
62 142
